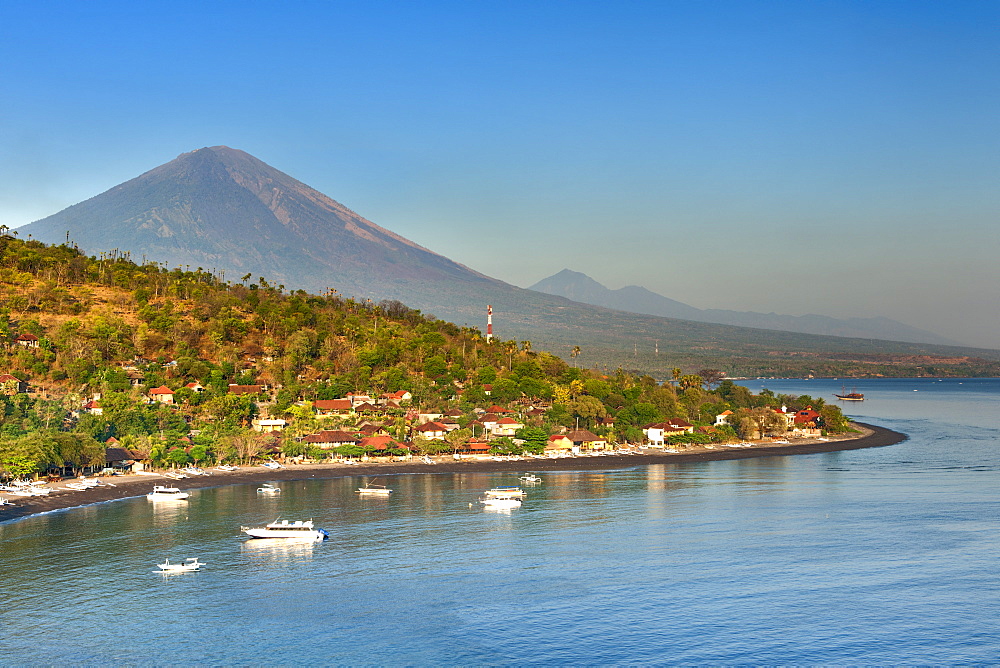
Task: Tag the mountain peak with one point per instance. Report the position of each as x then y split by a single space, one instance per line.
222 207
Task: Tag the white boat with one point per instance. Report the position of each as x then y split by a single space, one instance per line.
296 530
500 502
505 492
226 467
272 465
186 567
268 488
374 490
5 502
162 493
530 478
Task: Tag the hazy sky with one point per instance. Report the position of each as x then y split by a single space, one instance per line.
840 158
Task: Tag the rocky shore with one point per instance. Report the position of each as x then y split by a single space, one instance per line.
120 487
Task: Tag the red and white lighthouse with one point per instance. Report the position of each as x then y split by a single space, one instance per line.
489 323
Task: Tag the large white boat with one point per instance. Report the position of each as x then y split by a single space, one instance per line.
163 493
186 567
295 530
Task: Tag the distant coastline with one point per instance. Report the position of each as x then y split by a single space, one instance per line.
133 486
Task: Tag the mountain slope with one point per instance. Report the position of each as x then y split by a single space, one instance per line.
222 208
580 287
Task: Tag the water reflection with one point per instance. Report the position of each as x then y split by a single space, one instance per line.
277 551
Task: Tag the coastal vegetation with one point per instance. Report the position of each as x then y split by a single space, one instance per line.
179 366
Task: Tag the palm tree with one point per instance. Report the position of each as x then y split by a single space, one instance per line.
574 353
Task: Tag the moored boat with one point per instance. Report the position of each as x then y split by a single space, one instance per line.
294 530
163 493
187 566
374 490
530 478
500 502
853 395
268 488
505 492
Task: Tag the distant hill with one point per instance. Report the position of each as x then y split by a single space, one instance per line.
223 210
582 288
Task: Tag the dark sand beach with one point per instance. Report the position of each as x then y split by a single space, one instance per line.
120 487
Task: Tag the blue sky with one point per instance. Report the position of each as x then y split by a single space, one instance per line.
797 157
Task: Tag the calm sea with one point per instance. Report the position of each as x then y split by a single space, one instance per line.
886 555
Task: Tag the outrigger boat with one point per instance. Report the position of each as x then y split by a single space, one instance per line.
530 478
186 567
268 488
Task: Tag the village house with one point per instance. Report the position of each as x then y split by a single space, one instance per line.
506 426
381 443
245 390
326 408
432 430
723 418
428 417
269 425
657 433
327 439
195 387
398 397
559 442
11 385
93 407
26 340
586 440
161 394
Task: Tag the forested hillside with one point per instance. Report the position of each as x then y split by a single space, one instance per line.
88 343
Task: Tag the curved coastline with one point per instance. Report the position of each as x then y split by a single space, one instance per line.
136 486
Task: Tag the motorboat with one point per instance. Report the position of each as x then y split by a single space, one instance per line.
530 478
374 490
164 493
290 530
268 488
505 492
226 467
500 502
186 566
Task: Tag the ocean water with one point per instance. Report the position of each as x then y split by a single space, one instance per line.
885 555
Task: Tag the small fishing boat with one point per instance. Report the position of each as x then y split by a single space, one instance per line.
5 502
186 567
163 493
268 488
374 490
530 478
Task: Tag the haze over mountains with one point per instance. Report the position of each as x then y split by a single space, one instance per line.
222 209
582 288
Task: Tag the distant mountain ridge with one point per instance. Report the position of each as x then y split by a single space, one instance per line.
222 209
580 287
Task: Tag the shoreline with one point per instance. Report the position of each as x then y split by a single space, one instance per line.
133 486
